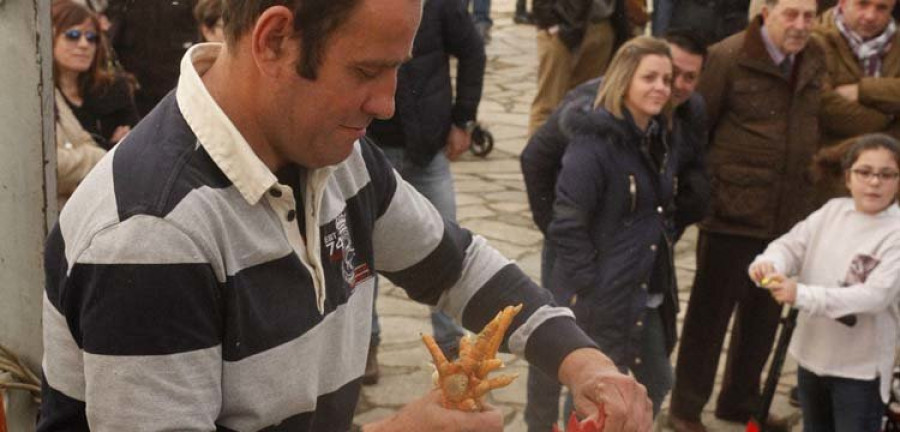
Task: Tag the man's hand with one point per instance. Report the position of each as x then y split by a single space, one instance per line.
849 92
594 381
427 414
759 270
458 141
783 289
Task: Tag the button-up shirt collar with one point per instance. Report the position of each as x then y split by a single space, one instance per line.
215 131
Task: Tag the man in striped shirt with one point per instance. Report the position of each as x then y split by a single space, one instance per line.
215 270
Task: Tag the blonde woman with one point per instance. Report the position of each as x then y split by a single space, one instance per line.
613 218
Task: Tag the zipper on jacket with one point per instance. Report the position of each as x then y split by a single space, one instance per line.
632 189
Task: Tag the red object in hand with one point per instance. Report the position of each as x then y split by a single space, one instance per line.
2 415
593 423
752 426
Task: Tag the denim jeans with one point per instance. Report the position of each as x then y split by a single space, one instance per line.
542 403
481 11
435 182
832 404
655 369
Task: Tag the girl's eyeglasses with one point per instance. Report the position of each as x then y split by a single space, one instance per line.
74 35
867 175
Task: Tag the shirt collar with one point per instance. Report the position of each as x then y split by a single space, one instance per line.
774 52
215 132
892 210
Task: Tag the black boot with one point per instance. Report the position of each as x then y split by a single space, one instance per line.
523 17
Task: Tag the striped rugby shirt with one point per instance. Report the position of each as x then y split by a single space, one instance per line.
189 289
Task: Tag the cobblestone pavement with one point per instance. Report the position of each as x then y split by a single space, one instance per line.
492 202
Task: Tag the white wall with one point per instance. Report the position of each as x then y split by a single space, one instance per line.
26 120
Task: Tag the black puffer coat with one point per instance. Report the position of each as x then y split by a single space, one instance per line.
542 159
613 216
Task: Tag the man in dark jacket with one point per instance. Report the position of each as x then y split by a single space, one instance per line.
762 90
542 160
713 20
150 37
430 127
575 41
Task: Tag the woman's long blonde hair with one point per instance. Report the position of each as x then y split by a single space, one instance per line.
624 64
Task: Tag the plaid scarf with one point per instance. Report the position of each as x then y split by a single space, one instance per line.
870 52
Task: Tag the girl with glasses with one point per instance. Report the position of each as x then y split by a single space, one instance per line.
94 107
841 268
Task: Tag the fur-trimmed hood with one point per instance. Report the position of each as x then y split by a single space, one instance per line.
579 117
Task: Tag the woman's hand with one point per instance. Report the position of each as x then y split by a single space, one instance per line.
119 134
759 270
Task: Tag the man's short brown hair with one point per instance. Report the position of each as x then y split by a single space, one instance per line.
314 20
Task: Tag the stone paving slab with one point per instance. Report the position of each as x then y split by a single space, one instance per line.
491 202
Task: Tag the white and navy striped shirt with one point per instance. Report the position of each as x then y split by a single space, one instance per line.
189 289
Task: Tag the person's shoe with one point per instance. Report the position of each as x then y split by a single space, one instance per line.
523 18
679 424
794 397
371 375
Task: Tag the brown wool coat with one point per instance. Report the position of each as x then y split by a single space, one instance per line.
879 98
764 130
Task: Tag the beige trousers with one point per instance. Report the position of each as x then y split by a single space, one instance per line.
560 70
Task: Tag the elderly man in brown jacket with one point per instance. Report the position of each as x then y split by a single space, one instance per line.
862 85
762 89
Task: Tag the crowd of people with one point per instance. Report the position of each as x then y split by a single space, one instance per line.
226 207
782 96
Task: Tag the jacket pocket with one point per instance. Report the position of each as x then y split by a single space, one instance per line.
745 196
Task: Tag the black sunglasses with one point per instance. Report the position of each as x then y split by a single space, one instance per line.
74 35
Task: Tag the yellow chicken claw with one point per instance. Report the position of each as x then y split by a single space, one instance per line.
464 382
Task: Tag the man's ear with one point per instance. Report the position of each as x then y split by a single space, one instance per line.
273 41
764 11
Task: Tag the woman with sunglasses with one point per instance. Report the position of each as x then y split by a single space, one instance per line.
102 101
94 107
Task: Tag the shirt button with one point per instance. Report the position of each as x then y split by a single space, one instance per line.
640 323
637 360
653 247
291 215
659 210
275 192
644 286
